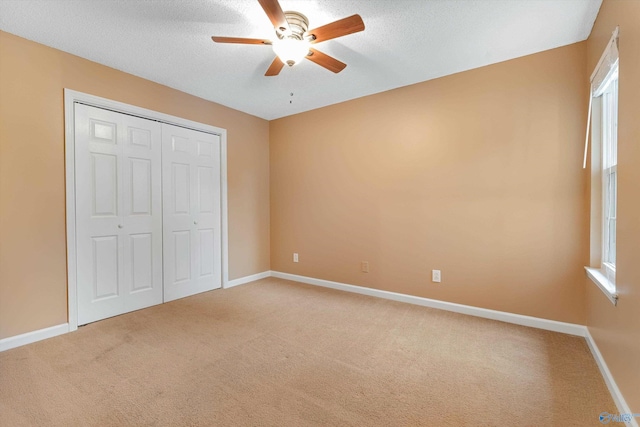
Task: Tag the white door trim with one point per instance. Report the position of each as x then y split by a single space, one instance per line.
71 97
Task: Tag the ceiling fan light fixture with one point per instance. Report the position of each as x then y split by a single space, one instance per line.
291 50
294 39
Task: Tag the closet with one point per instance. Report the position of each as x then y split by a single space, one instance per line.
147 212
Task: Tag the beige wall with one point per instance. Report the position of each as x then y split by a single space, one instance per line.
477 174
616 330
33 291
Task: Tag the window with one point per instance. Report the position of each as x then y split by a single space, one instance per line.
609 162
603 109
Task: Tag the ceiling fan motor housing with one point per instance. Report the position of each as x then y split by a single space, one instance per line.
298 24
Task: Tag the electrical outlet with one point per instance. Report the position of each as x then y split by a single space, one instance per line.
435 276
364 266
295 257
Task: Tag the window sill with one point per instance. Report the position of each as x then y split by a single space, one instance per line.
603 283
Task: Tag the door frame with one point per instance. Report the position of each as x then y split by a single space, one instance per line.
70 98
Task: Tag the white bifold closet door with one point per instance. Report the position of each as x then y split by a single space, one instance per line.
191 211
118 213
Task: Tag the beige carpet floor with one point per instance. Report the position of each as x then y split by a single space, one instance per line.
279 353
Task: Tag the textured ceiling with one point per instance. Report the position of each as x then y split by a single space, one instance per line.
405 42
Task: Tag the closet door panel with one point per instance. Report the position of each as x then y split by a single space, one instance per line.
191 199
118 213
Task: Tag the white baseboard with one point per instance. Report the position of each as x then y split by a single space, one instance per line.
31 337
618 399
518 319
247 279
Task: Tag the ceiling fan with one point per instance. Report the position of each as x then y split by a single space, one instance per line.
293 39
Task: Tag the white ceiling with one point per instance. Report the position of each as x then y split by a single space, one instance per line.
405 42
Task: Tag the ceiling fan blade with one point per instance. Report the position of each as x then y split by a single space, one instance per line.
275 67
325 61
276 15
239 40
342 27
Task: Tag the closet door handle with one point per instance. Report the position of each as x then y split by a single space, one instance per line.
120 226
195 222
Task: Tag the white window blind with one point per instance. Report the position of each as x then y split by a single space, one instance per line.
606 65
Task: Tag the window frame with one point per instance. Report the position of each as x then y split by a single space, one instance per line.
604 167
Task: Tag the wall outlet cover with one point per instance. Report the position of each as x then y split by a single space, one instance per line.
435 276
364 266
